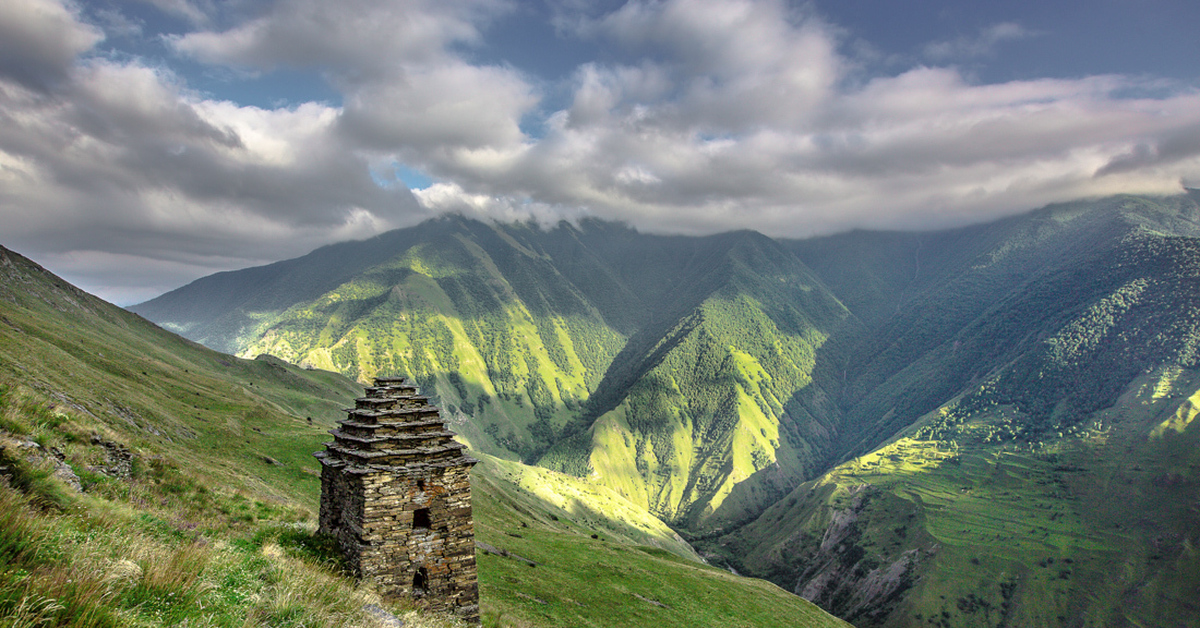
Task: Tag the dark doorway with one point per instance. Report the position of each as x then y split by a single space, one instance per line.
420 582
421 518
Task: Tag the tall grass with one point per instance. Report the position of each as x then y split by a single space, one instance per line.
100 571
157 548
21 534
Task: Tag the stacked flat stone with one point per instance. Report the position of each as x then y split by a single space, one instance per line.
396 495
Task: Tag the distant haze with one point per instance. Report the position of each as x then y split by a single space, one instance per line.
145 144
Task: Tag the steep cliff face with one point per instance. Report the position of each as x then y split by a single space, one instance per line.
841 574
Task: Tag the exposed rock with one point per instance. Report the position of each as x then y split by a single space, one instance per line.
11 324
65 399
492 549
36 454
65 474
382 617
530 597
840 526
118 460
654 602
844 579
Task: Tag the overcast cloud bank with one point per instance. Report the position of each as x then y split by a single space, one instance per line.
714 115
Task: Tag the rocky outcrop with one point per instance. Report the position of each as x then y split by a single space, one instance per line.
34 453
118 460
847 580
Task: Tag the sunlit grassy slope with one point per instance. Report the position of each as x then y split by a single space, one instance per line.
680 372
598 562
161 391
1096 528
199 496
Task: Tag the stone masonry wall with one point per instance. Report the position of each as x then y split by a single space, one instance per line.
396 495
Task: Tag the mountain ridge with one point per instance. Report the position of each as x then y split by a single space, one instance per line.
732 383
477 286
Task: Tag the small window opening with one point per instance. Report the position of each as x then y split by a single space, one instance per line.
420 485
420 582
421 518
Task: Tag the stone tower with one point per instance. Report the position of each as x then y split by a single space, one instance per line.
396 495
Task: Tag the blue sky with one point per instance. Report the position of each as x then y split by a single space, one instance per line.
145 143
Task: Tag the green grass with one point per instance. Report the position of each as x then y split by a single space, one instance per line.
1098 524
478 338
108 565
600 563
211 520
161 548
537 334
628 587
705 378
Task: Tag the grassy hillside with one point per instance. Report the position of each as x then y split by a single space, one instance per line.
957 527
982 297
560 345
151 481
726 415
517 350
1025 453
559 557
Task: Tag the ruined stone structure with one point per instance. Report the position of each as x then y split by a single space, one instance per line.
396 495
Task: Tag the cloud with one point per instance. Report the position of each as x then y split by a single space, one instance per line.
406 89
115 24
441 108
735 63
451 198
39 40
702 116
737 115
982 44
119 160
129 134
354 40
196 13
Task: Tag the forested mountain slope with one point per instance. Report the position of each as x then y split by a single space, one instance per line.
1035 397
